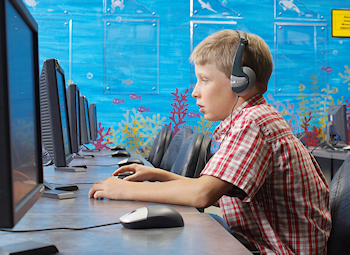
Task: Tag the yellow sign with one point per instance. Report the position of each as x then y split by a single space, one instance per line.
341 23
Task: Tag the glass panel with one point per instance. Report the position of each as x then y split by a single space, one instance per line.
300 58
131 56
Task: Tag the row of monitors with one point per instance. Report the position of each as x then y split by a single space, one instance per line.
67 119
29 101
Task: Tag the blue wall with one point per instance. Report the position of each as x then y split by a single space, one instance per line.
130 58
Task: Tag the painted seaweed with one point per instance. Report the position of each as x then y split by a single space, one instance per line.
103 137
179 111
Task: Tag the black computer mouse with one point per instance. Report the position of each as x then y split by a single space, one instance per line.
118 148
155 216
130 161
120 153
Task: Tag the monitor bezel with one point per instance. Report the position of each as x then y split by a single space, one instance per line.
11 213
93 122
73 93
57 137
338 112
85 131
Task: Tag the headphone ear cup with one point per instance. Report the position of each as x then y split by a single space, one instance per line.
251 77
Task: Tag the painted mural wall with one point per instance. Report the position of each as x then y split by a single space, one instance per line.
130 58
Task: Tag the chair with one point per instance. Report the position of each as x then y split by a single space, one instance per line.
174 148
204 155
187 158
339 240
159 146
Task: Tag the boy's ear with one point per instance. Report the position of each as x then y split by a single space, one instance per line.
242 78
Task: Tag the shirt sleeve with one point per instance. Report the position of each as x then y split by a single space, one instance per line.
243 159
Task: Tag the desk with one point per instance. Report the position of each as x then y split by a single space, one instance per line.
329 161
200 235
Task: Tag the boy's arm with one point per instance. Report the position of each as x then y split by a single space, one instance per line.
146 173
197 192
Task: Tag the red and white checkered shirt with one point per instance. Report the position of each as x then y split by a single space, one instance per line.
285 207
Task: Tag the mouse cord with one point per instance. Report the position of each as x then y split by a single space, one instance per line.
49 229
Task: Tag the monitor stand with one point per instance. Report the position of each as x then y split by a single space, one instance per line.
53 191
70 168
66 187
79 156
89 149
29 248
330 147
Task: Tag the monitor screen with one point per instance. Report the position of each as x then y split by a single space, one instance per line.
84 120
337 124
21 173
93 121
64 112
73 96
54 114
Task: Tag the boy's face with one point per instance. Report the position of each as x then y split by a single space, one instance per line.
213 93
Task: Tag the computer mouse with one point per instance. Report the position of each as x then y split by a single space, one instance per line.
118 148
120 153
155 216
130 161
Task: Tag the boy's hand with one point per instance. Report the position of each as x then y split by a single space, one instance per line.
142 173
110 188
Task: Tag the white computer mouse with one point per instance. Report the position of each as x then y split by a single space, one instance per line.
156 216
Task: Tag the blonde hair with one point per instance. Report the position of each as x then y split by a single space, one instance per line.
219 49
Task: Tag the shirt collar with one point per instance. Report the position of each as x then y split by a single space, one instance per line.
225 124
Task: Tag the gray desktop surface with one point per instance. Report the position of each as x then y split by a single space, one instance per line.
329 160
200 235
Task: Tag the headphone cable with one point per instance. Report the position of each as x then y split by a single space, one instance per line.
230 123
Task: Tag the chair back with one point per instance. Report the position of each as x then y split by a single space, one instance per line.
339 240
204 155
160 145
174 148
187 158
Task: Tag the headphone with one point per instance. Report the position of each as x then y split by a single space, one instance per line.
242 78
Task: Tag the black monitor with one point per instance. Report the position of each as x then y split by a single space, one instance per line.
54 116
84 121
21 171
93 122
73 96
337 131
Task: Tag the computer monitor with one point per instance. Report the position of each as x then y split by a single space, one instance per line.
93 122
84 121
337 131
54 116
21 171
73 96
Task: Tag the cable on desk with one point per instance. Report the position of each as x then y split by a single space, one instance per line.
50 229
76 183
318 145
104 165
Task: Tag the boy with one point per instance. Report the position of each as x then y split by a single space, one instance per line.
271 190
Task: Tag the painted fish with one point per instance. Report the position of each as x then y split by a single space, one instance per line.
206 6
134 96
328 69
127 82
193 115
118 101
143 109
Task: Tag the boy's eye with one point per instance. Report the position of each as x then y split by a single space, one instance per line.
204 79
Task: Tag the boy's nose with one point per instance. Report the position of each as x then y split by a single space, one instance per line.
195 92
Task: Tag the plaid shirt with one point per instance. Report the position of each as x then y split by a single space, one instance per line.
284 208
